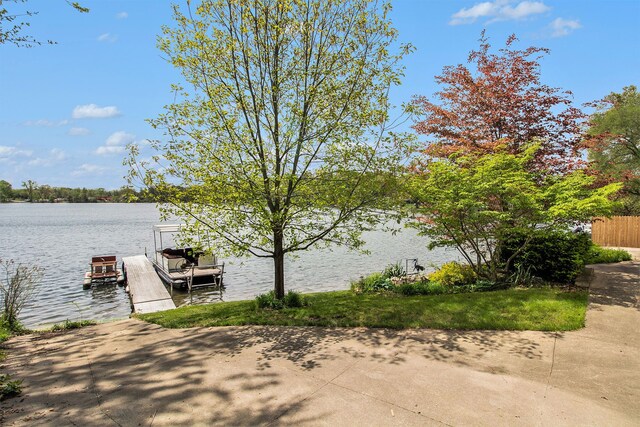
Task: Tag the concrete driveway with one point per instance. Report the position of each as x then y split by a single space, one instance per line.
129 373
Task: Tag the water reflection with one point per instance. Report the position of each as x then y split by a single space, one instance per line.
104 292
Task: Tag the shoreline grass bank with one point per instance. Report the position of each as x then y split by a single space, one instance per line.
541 309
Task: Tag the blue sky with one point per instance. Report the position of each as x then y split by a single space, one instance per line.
67 110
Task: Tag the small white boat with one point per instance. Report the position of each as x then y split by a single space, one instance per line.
103 269
183 267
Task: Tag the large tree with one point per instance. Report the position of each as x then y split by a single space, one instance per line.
31 187
282 140
614 144
475 203
6 191
499 100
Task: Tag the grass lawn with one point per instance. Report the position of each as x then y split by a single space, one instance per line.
5 333
542 309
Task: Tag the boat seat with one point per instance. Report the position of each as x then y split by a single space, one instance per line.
175 263
205 260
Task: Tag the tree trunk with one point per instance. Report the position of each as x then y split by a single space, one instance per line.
278 261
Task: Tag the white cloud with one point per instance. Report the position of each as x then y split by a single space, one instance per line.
468 16
78 131
498 10
122 15
563 27
120 138
7 152
116 143
40 123
107 37
46 123
40 162
522 10
55 155
89 169
107 149
92 111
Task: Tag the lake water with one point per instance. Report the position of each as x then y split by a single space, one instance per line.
61 238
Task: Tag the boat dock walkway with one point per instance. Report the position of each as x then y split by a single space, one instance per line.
147 291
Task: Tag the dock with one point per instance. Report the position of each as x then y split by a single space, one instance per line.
146 290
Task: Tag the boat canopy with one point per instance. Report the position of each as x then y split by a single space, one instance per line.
168 228
160 229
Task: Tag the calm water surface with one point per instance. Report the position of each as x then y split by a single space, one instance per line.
61 238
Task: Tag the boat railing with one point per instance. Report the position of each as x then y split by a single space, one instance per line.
104 267
216 279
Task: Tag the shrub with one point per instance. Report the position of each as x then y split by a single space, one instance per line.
600 255
18 284
5 331
8 387
269 300
436 288
291 300
375 282
554 256
393 270
487 285
421 288
453 274
522 276
481 286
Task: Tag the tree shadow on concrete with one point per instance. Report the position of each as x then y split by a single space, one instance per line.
147 376
616 285
463 346
134 373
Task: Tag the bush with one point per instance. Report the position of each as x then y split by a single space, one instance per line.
393 270
291 300
600 255
378 282
18 284
421 288
436 288
481 286
523 276
453 274
5 331
269 300
8 387
553 256
375 282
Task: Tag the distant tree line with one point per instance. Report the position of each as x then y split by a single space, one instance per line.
36 193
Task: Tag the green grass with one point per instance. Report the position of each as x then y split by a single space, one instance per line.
72 324
600 255
5 332
544 309
8 387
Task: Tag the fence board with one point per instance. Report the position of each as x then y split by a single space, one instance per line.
621 231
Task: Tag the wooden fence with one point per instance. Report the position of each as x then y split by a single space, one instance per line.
620 231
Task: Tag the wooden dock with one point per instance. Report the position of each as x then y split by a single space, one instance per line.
147 291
